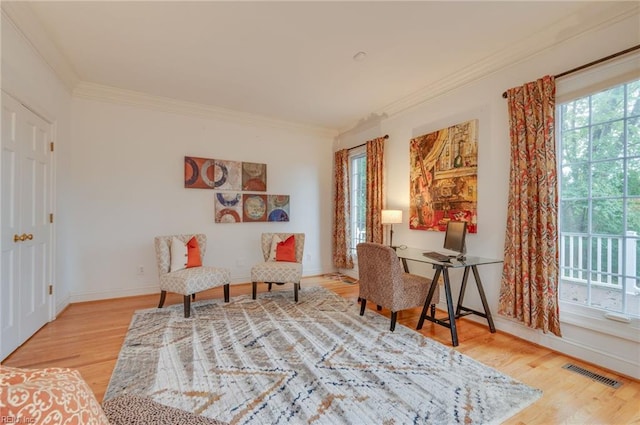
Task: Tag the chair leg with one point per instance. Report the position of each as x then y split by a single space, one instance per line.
433 311
163 295
269 286
379 307
394 317
187 306
193 296
226 293
254 289
295 291
363 304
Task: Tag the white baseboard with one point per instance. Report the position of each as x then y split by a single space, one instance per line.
113 293
148 289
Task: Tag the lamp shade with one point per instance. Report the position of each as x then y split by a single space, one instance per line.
391 216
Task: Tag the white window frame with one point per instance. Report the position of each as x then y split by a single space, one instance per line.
593 80
358 232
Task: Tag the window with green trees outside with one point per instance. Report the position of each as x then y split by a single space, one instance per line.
599 215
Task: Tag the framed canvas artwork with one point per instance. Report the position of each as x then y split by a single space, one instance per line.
254 207
277 207
254 177
228 207
444 178
199 173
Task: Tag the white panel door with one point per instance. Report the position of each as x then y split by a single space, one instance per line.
25 228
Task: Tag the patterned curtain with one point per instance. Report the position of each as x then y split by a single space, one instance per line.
529 288
342 257
375 203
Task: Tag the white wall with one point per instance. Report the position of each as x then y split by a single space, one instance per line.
125 185
483 100
26 77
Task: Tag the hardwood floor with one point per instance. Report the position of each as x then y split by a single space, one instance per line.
87 336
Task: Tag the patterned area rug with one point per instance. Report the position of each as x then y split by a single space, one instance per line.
272 361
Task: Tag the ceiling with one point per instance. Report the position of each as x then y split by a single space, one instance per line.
293 61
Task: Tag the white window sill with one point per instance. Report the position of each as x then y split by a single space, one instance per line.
595 320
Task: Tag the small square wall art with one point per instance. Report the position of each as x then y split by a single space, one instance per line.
254 177
254 207
277 207
199 173
228 207
228 175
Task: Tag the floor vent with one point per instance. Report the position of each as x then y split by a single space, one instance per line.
596 377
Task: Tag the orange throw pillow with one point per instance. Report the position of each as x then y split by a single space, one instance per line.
193 253
286 251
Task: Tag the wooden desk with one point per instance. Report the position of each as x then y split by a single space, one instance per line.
469 263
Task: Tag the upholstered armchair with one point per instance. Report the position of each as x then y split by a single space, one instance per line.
186 279
279 270
384 282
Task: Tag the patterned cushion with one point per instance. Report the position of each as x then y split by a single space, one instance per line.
194 279
47 396
276 272
129 409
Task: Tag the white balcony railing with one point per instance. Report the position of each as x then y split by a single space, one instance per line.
610 261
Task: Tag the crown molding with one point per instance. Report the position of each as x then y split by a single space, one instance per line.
593 19
99 92
20 15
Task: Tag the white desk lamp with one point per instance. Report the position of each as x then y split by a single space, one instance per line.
391 217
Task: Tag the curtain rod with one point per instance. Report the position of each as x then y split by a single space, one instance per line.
386 136
580 68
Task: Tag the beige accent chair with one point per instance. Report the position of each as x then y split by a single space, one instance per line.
383 281
188 281
278 272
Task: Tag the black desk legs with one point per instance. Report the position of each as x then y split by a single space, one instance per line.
451 321
428 302
463 288
460 310
452 314
483 297
463 311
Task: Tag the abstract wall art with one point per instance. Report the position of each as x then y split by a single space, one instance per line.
254 207
228 175
254 177
228 207
277 207
444 178
199 173
220 174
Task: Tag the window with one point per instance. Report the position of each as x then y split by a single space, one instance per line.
358 182
599 215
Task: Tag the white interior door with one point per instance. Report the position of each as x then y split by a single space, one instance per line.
25 226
